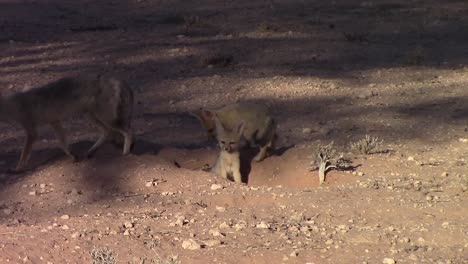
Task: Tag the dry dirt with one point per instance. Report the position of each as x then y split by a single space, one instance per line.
330 70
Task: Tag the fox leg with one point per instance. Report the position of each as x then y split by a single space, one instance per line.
57 126
125 132
31 135
104 134
264 150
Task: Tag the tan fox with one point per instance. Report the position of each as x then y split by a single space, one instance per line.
230 142
260 126
108 103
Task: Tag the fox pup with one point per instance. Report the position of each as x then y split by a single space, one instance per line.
106 101
260 126
230 142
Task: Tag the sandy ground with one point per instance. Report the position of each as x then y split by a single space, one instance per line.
330 71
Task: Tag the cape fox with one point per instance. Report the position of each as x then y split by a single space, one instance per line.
230 142
259 130
107 102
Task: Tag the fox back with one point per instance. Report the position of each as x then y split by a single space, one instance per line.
69 97
108 102
259 123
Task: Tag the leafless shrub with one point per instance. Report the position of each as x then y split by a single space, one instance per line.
328 159
367 145
103 256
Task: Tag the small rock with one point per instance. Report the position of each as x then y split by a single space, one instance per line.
413 257
410 158
7 211
224 225
212 243
329 242
360 173
388 261
190 244
75 235
65 217
215 187
32 193
216 233
149 184
306 130
220 209
262 225
65 227
444 174
128 224
42 185
463 140
294 254
126 232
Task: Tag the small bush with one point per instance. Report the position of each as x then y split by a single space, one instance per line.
367 145
103 256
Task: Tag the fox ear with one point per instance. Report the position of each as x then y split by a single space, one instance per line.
218 123
241 127
203 114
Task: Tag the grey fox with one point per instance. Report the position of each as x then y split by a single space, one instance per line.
260 126
230 142
108 103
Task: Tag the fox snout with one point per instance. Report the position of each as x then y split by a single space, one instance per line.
227 148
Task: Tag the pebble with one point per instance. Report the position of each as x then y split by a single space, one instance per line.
65 217
75 235
128 224
306 130
388 261
216 233
262 225
220 209
212 243
224 225
215 187
32 193
190 244
444 174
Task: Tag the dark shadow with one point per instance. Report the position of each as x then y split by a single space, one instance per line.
143 147
281 150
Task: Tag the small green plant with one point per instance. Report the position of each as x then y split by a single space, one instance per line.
103 255
367 145
327 159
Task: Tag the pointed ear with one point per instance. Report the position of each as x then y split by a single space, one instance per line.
241 127
203 115
219 125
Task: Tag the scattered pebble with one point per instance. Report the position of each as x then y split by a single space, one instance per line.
65 217
190 244
388 261
216 186
128 224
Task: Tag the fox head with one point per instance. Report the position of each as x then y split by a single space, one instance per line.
229 140
206 118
